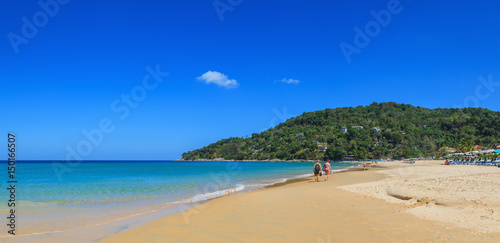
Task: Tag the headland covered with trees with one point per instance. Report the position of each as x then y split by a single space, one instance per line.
377 131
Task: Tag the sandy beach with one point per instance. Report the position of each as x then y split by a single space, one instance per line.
395 202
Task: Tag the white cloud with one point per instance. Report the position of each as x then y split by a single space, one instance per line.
212 77
290 81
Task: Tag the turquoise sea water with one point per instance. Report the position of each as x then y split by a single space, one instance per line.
55 197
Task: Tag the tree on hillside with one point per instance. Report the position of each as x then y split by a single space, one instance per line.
466 145
389 129
428 146
335 153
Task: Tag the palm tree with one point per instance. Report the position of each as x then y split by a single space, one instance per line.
466 145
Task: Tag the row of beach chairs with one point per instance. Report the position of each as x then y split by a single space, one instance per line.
485 162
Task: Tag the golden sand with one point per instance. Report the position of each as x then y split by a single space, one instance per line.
423 202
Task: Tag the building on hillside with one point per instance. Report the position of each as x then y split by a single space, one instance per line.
357 127
301 134
479 148
377 129
344 129
322 146
402 132
388 130
447 149
498 147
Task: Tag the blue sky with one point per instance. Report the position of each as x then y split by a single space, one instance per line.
262 62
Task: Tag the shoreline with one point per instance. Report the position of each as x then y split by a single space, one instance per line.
286 212
283 161
114 226
269 160
284 203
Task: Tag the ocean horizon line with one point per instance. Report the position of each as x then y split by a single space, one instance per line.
151 160
89 160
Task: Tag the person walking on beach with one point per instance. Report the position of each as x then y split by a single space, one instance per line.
316 170
327 168
364 165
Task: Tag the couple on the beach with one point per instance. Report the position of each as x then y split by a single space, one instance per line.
317 170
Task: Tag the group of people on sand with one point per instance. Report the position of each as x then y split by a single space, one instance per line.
318 168
326 168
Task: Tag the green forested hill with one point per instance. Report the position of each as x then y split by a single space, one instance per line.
405 131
